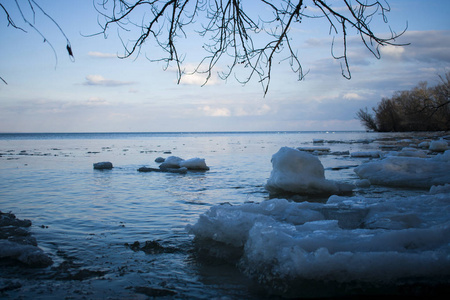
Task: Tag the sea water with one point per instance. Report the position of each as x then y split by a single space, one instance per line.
88 221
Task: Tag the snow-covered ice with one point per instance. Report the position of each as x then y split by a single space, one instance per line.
412 172
439 145
343 240
298 172
190 164
194 164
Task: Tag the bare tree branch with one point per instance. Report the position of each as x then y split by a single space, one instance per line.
246 41
236 34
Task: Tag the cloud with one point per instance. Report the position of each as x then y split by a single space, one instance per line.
426 46
101 54
352 96
96 101
392 52
100 80
216 112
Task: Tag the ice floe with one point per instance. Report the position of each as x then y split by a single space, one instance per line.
438 145
412 172
346 239
175 164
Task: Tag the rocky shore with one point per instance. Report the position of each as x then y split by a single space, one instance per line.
17 245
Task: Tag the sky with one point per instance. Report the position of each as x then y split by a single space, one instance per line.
98 92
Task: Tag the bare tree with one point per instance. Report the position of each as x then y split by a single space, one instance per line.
251 40
367 119
422 108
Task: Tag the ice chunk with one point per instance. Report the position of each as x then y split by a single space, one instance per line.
301 173
439 146
406 172
374 154
424 145
443 157
171 162
194 164
362 183
316 150
438 189
409 152
391 239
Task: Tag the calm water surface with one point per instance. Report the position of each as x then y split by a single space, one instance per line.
83 218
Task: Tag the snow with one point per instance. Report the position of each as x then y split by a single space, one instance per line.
298 172
345 239
412 172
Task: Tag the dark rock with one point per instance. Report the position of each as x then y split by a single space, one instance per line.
9 219
105 165
151 247
167 170
160 159
17 244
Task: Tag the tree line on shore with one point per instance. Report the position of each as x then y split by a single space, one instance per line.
422 108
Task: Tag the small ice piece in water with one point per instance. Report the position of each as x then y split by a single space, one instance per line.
443 157
410 152
438 146
194 164
301 173
314 149
374 154
174 162
424 145
171 162
440 189
104 165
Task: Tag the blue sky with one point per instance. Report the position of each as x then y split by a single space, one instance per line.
99 92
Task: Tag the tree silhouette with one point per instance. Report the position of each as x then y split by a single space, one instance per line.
248 35
422 108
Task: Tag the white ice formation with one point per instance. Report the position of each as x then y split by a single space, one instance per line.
346 239
298 172
190 164
413 172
